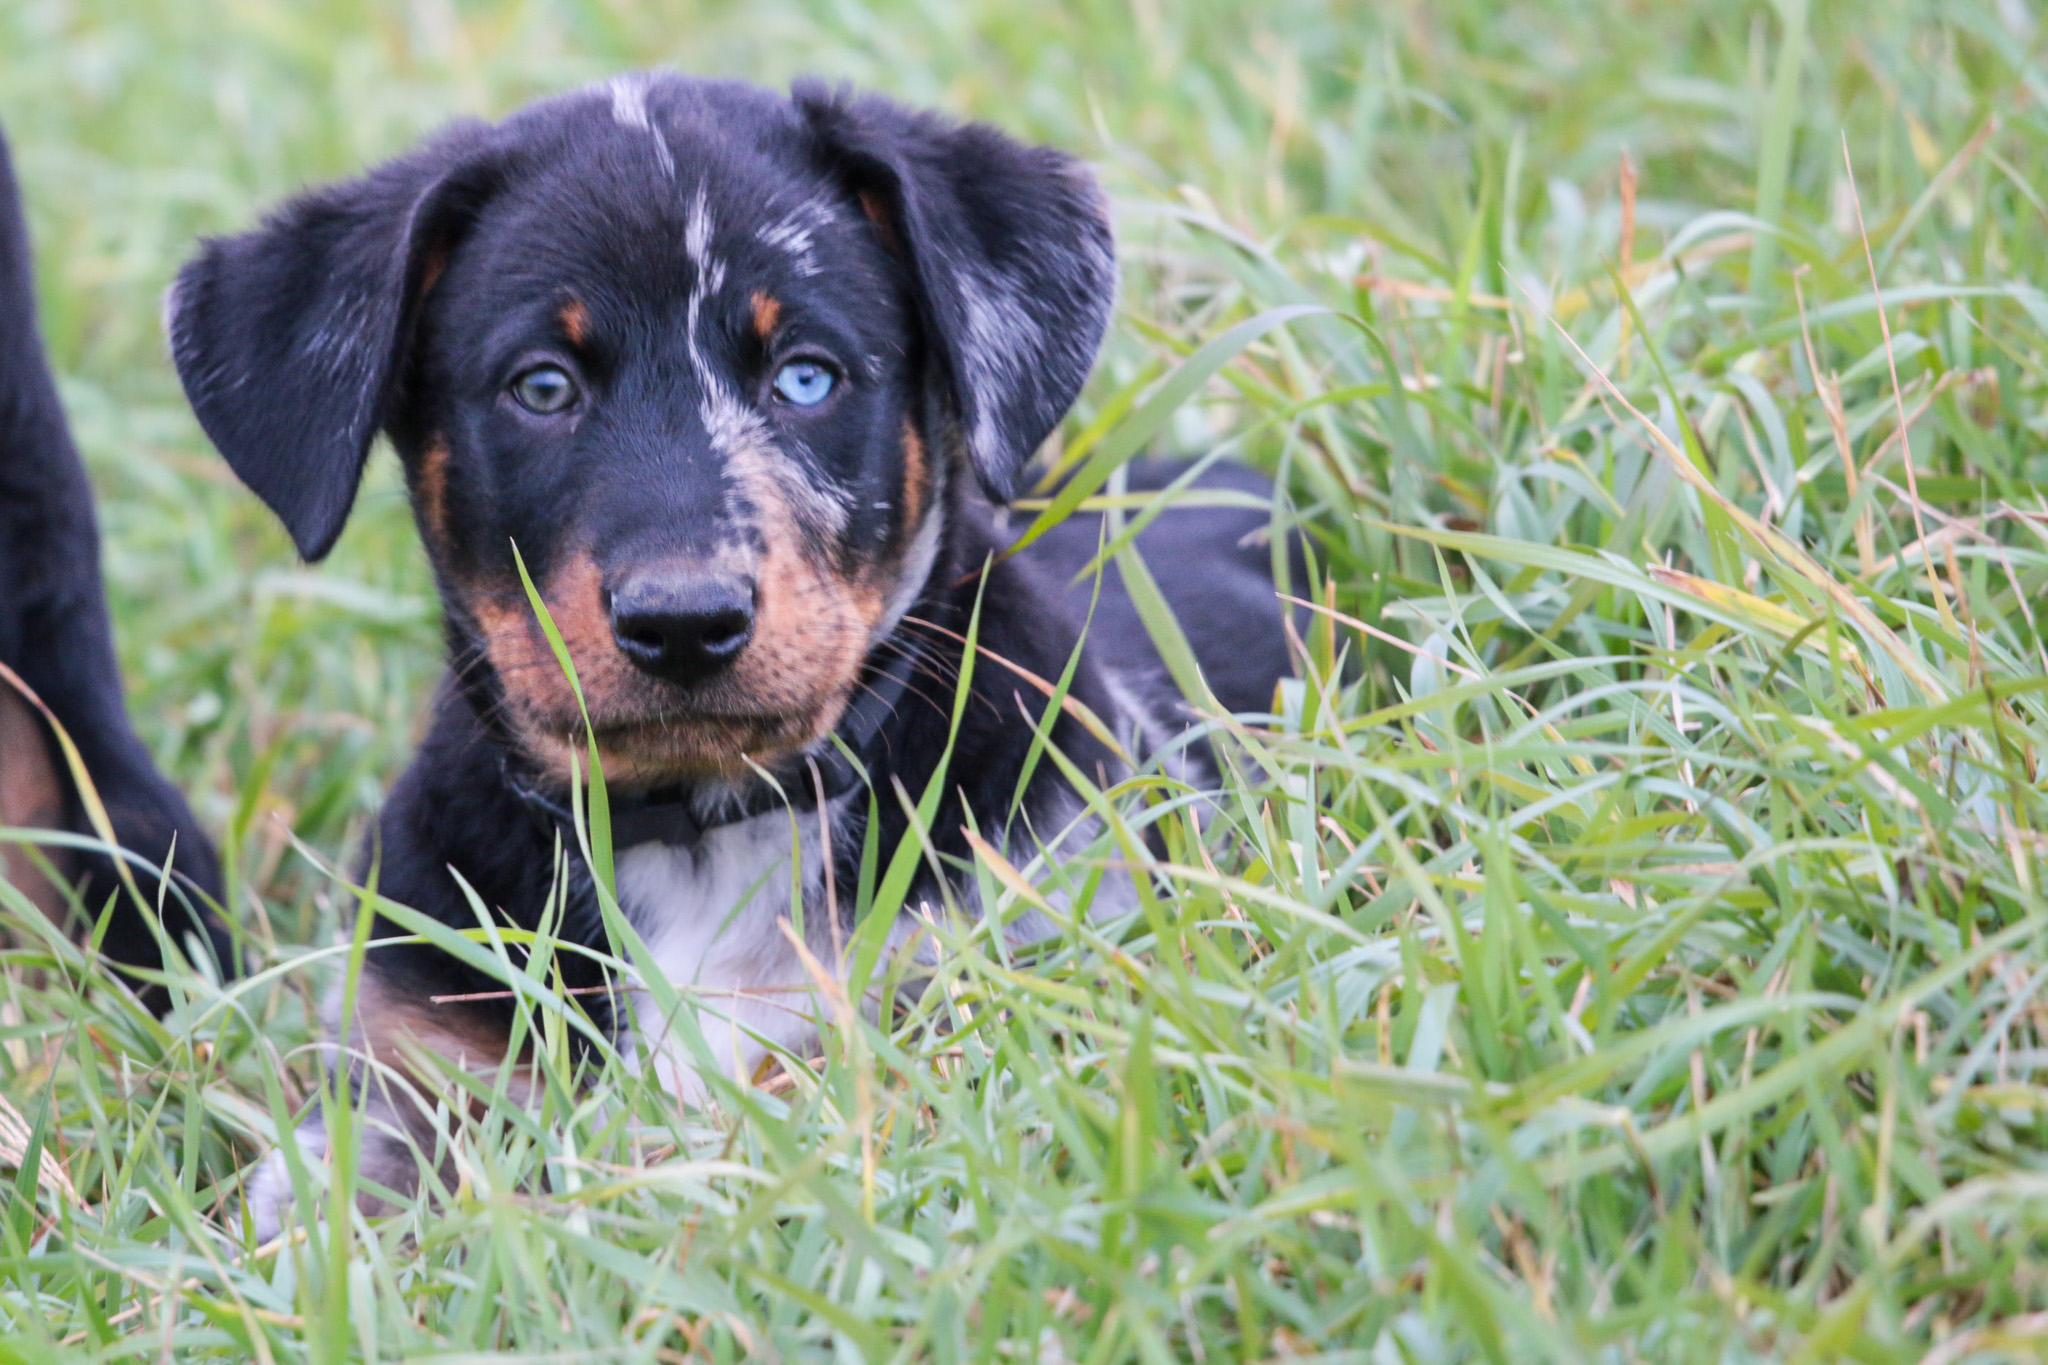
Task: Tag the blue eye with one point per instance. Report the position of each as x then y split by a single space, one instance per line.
804 382
544 390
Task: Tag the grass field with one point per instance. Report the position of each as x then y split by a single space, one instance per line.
1630 944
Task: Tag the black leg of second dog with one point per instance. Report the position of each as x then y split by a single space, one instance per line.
55 633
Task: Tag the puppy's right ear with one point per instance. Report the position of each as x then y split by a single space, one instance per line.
291 339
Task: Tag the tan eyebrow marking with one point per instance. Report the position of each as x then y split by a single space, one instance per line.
575 319
767 312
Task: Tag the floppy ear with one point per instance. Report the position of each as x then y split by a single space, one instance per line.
290 339
1011 253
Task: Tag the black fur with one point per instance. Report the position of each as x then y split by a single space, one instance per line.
55 634
1214 566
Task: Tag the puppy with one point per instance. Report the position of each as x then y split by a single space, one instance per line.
740 379
55 636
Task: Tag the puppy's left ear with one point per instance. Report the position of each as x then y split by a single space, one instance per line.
292 339
1011 253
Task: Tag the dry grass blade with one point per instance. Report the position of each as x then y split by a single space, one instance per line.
16 1137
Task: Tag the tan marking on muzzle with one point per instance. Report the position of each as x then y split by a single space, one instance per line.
535 686
649 732
813 623
32 796
767 312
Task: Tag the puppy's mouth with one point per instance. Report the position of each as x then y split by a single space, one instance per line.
660 720
703 727
654 747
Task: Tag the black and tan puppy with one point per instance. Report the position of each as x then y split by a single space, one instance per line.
55 635
740 375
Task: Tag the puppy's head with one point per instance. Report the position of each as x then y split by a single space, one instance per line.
707 356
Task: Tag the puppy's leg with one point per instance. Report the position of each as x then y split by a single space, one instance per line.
267 1196
397 1043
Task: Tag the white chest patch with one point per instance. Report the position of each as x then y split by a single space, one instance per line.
711 915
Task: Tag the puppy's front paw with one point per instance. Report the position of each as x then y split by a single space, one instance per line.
386 1161
268 1201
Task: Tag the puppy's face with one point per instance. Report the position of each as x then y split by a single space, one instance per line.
707 357
691 400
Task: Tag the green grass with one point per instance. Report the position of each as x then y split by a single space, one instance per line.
1630 948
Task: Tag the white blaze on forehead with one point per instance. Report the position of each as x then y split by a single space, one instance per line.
739 434
629 109
697 228
707 275
629 99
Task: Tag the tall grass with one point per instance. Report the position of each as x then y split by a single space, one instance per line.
1628 943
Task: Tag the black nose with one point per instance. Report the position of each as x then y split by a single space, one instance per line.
682 627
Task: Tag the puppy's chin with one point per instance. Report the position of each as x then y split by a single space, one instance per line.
661 751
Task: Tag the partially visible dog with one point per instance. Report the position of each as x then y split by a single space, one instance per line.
741 377
55 635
